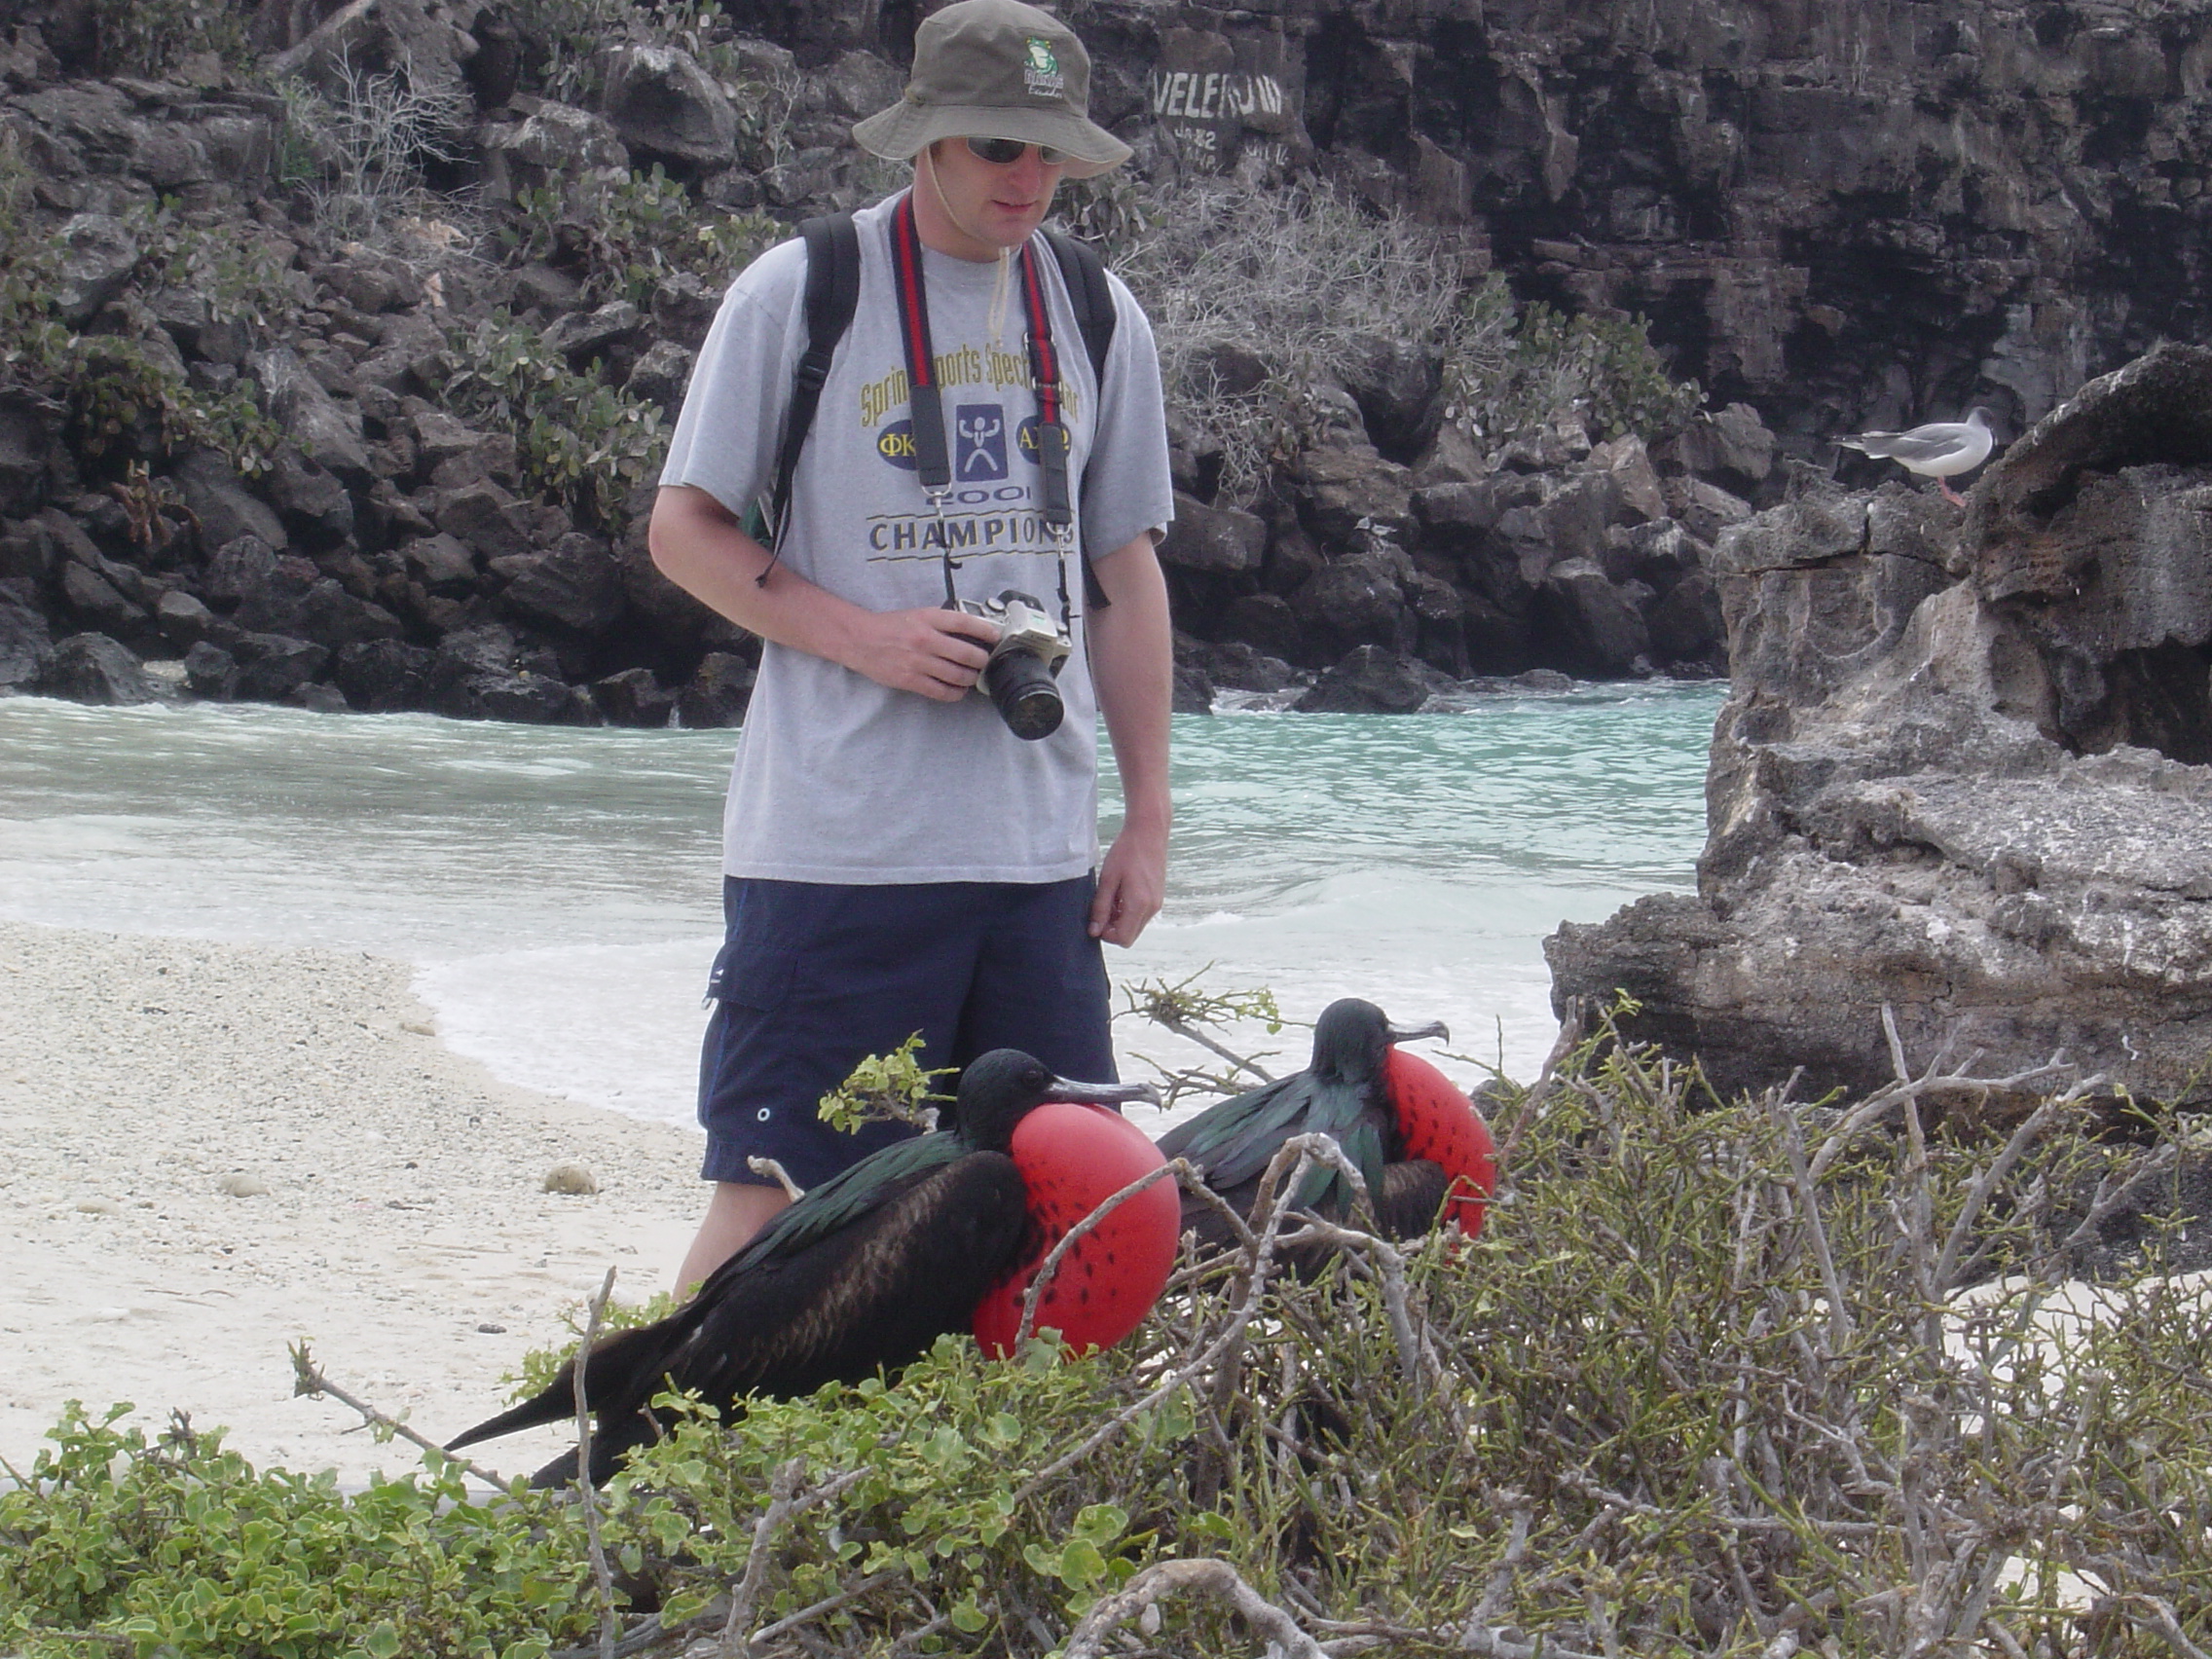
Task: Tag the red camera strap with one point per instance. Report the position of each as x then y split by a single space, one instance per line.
933 458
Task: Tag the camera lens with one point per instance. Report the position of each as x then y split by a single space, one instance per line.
1022 690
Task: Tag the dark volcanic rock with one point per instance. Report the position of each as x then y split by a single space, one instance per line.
666 108
554 142
1600 628
27 451
1193 691
92 668
26 647
1372 680
486 517
634 697
1220 539
224 508
380 676
274 667
1357 601
482 674
575 586
717 693
184 622
211 671
1964 773
331 616
1238 667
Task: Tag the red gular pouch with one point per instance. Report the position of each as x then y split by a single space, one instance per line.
1440 1124
1071 1158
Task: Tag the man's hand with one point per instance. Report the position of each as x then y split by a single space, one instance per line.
1132 882
933 652
699 546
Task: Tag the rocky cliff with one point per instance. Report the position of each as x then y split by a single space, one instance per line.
1964 773
361 426
1855 214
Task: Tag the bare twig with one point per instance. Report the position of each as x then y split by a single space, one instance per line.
1985 1183
2148 1612
828 1605
609 1625
785 1502
1205 1575
776 1172
308 1379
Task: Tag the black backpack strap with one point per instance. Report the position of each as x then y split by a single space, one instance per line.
1085 273
833 295
1092 301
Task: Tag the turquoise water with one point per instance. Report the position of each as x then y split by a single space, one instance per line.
558 890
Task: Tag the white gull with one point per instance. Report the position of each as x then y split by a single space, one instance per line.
1940 450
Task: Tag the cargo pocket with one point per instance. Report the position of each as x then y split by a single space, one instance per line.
752 974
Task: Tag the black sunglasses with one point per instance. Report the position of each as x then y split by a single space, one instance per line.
1005 152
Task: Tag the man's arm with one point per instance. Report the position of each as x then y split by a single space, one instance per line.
1132 664
698 544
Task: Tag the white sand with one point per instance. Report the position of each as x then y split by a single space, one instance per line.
403 1213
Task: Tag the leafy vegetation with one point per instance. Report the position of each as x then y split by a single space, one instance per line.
625 236
179 1548
895 1086
1508 370
580 440
1741 1380
1259 294
125 387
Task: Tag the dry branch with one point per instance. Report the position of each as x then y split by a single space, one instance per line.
1206 1576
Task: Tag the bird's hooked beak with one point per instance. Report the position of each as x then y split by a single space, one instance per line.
1074 1093
1414 1033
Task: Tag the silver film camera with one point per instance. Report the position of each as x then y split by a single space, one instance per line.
1019 678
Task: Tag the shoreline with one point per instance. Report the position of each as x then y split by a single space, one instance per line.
209 1151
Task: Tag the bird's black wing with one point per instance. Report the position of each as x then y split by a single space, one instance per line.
1231 1140
629 1368
871 1295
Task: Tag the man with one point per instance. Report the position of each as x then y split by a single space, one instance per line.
895 858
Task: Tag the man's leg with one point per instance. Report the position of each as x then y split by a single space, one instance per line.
735 1213
811 981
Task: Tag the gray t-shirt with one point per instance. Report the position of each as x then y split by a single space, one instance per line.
838 779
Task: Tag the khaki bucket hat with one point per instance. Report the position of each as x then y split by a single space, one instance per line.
996 69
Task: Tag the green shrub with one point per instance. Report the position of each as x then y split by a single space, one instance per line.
128 388
1507 374
625 236
580 441
179 1548
1735 1381
1305 280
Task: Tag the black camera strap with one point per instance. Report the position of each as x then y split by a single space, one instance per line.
933 459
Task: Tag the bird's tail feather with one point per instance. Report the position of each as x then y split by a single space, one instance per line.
616 1365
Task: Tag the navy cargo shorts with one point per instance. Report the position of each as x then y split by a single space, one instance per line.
813 979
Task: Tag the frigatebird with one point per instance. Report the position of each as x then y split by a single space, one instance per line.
1417 1140
938 1232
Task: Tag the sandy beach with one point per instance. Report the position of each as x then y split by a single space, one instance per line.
208 1152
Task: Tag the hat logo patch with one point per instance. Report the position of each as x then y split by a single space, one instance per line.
1040 69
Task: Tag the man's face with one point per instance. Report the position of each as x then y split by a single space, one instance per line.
992 205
